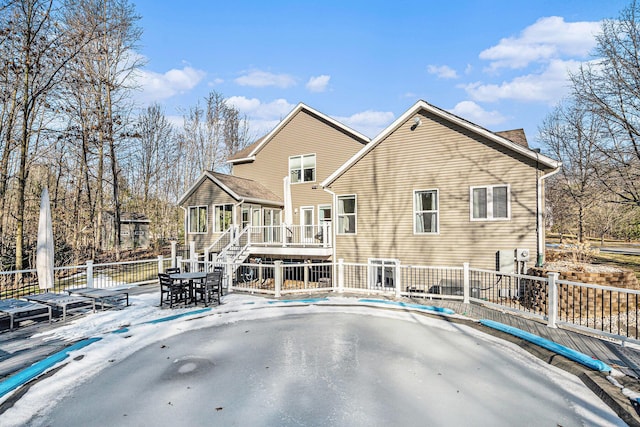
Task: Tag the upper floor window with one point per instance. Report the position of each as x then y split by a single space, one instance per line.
223 217
346 214
197 219
425 208
302 168
490 202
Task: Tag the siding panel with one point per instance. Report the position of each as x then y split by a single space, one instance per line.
436 155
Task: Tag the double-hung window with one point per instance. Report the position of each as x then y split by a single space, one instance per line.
347 214
490 202
425 208
302 168
223 217
197 219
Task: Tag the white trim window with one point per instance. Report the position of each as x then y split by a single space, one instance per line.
223 217
425 212
302 168
347 210
492 202
198 219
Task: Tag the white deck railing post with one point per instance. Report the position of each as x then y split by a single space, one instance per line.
174 252
340 275
277 276
306 267
179 262
466 291
552 300
283 236
398 279
160 264
193 256
229 268
90 274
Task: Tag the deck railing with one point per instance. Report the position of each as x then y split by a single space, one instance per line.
606 310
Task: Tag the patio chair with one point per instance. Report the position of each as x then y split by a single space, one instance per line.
172 291
63 302
211 288
19 310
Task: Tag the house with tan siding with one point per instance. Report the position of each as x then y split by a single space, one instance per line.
435 189
271 206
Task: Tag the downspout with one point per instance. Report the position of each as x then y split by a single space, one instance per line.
539 213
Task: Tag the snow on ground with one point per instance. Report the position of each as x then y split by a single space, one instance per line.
289 322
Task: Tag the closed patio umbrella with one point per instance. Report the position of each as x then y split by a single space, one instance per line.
44 249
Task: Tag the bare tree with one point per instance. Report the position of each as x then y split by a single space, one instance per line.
571 134
610 87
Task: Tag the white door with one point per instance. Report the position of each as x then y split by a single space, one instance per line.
272 225
306 223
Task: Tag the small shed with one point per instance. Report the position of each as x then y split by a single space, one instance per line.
134 230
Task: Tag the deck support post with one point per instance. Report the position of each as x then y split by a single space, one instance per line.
552 301
277 276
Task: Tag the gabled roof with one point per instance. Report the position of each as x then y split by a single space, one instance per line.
452 118
243 189
248 154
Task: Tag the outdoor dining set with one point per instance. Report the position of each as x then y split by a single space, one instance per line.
186 288
48 304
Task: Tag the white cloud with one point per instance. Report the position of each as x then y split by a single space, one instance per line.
471 111
318 84
549 86
156 86
442 71
369 123
548 38
263 79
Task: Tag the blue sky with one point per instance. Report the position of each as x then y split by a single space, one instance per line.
500 64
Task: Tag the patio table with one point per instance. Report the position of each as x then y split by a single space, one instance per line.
191 278
16 307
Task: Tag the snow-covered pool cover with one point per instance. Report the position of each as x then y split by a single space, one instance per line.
334 362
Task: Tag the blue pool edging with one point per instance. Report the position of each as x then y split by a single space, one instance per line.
574 355
409 305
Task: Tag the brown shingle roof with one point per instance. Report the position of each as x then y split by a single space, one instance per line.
515 135
245 151
246 188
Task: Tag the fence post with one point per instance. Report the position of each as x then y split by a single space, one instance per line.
179 262
174 252
229 267
277 276
552 301
160 264
305 273
466 291
90 274
340 275
193 256
398 279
